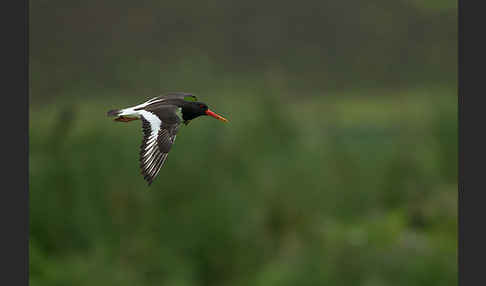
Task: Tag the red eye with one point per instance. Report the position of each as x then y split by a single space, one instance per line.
202 106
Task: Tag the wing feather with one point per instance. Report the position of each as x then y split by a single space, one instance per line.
179 95
157 141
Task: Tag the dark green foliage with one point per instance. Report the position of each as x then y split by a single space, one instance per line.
316 190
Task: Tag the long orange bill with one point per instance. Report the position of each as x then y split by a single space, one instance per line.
219 117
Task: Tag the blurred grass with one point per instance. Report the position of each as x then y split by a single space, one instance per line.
350 188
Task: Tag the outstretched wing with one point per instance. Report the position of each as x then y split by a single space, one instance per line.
178 95
159 133
174 98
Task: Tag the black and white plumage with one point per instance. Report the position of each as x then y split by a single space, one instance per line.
160 123
158 138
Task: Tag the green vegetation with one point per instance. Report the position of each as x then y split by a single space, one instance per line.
338 166
356 188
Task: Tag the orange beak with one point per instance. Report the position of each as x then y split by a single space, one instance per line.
219 117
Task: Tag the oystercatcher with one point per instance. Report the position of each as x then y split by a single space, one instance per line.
161 118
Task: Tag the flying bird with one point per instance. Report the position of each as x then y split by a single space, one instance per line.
161 118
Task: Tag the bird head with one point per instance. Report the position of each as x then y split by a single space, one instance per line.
196 109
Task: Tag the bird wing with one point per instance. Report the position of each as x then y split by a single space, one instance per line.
177 95
174 98
159 133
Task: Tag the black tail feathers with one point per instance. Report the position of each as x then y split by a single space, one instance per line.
113 112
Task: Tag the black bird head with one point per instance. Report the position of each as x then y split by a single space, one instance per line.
191 110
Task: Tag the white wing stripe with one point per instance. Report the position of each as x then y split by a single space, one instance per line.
151 157
153 120
132 111
151 152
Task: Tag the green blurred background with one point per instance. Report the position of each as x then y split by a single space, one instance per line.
338 166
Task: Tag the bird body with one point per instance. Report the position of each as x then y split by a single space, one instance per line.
161 118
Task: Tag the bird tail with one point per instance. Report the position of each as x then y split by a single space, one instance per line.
113 112
122 115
